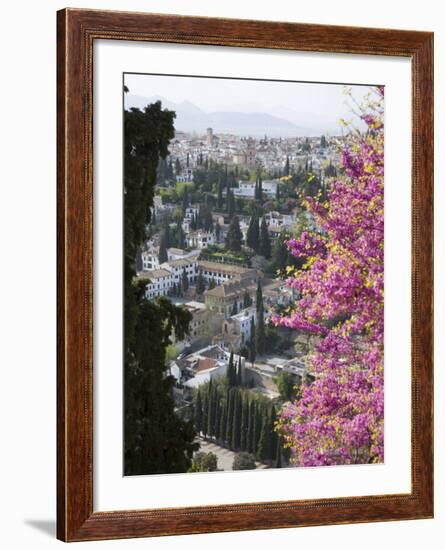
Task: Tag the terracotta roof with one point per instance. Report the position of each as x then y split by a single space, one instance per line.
222 268
154 274
205 364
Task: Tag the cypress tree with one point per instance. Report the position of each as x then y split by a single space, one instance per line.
219 200
217 232
205 413
198 412
180 237
264 239
287 167
163 256
260 334
184 281
231 372
252 342
211 417
253 233
280 253
244 423
230 204
259 295
234 308
212 283
263 451
247 300
236 429
220 424
260 189
150 421
251 428
177 167
234 236
230 409
200 284
257 427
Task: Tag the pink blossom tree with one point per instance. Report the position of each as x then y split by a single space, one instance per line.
338 418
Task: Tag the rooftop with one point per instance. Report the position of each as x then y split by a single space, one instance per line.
223 268
154 274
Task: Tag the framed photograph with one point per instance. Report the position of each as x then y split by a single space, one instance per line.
245 229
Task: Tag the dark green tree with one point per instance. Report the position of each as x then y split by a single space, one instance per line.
200 284
219 200
244 423
184 281
177 167
280 253
252 341
250 426
236 429
234 310
205 413
263 450
211 417
247 300
260 333
230 204
253 234
163 255
287 167
212 283
156 440
179 235
217 232
231 372
264 248
234 236
230 409
198 412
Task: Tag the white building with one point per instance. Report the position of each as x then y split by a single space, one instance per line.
177 267
190 212
160 283
200 239
200 367
150 259
275 219
169 274
243 322
246 189
221 273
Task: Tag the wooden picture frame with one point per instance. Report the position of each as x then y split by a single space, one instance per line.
77 31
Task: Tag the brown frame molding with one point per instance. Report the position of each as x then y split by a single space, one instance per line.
76 32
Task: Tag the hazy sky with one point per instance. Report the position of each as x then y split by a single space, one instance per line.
214 94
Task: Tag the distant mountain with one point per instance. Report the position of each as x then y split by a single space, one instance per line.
190 118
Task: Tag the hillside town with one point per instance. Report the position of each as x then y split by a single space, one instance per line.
223 210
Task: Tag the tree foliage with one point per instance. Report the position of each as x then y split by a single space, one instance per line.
339 417
156 440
